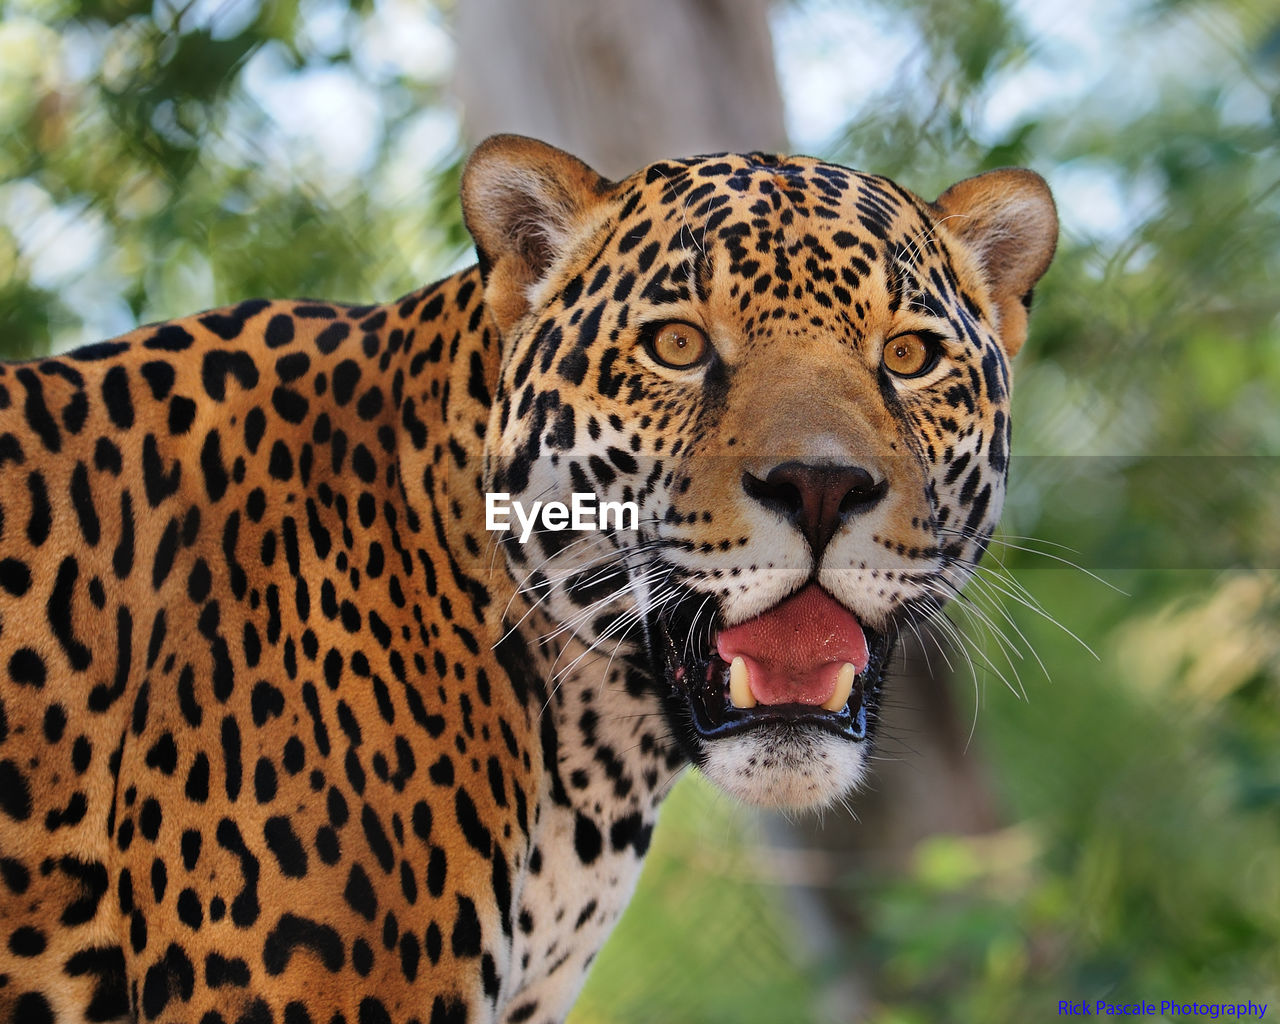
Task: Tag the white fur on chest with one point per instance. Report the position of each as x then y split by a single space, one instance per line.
585 855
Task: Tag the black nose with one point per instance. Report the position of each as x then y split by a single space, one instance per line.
816 498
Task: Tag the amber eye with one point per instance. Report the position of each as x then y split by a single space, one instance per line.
907 355
679 345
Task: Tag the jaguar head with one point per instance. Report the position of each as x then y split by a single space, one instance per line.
798 377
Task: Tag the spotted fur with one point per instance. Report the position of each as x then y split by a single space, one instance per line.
286 735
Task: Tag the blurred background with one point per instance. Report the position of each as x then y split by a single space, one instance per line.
1078 791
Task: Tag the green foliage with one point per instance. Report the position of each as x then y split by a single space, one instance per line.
1145 863
155 160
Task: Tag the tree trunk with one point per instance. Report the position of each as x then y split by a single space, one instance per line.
621 83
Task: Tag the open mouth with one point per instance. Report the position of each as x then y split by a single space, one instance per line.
805 662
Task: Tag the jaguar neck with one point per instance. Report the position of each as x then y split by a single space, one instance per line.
450 355
447 361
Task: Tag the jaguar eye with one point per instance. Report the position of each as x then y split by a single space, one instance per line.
679 346
908 355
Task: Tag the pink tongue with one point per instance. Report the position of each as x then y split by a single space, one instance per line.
794 651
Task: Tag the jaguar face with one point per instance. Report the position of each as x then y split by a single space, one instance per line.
799 375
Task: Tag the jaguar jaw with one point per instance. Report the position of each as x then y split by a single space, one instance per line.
718 688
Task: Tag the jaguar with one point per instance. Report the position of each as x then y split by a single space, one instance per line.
287 734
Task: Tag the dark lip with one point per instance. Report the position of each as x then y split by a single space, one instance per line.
697 685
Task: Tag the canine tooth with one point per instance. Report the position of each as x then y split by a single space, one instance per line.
844 687
739 685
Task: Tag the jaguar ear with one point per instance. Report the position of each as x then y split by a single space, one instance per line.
1008 221
526 205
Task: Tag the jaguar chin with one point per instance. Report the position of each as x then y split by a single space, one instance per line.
775 710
